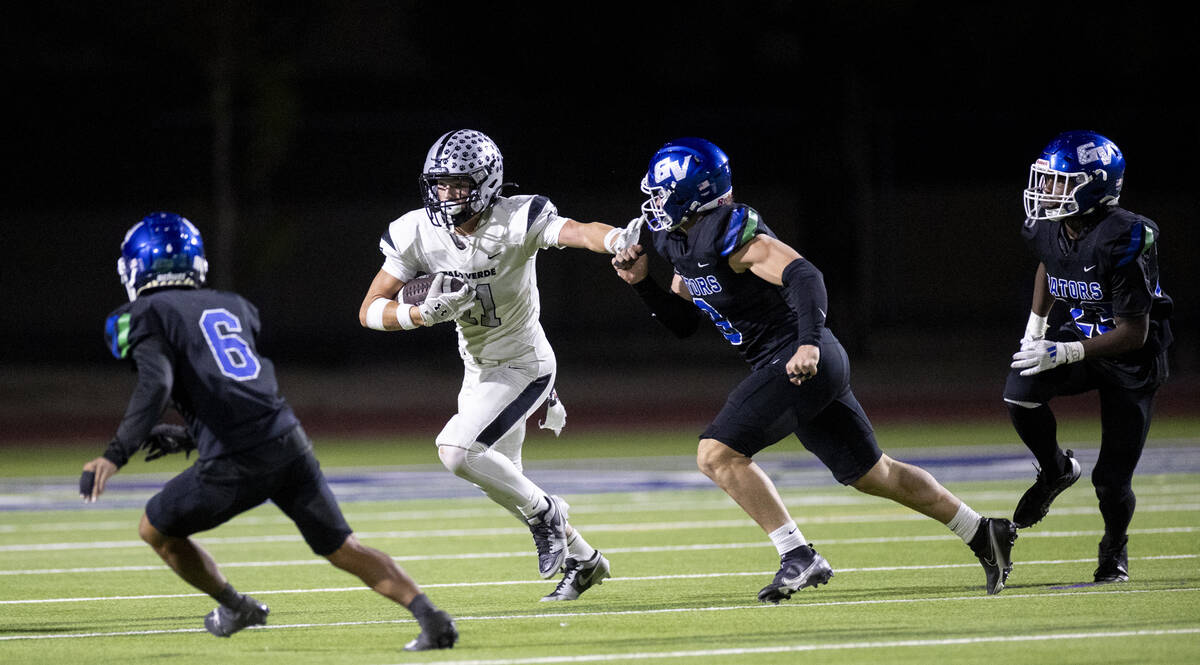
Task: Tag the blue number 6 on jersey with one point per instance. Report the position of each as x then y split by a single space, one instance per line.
231 352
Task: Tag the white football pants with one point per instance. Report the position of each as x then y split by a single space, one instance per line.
482 442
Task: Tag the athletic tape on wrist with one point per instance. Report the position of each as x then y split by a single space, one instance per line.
1073 351
610 238
1036 327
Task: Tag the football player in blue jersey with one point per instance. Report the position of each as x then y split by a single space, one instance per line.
1101 261
195 348
770 303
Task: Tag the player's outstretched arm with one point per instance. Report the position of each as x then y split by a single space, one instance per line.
679 316
599 237
580 235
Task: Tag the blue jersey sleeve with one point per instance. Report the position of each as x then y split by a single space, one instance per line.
743 224
127 326
1128 254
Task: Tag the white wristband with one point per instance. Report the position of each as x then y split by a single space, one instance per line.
610 238
1073 351
375 313
404 316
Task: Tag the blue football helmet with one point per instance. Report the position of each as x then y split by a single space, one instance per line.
164 249
468 155
686 176
1078 172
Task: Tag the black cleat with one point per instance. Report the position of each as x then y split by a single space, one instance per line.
438 632
1114 562
992 545
549 529
224 622
1035 503
579 577
798 568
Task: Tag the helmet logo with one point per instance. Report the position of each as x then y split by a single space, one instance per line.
1089 152
669 168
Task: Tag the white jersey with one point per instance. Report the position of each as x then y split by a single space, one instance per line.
498 260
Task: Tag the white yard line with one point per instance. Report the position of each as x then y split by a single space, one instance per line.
728 608
646 578
837 646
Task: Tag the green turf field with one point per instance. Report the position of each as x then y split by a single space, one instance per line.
77 586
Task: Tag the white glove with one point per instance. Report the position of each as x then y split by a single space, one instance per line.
556 414
1035 330
1040 355
444 305
620 239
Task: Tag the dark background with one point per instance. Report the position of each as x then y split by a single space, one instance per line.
888 142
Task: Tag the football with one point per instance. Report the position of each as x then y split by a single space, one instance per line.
416 289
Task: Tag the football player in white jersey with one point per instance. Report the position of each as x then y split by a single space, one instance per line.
467 230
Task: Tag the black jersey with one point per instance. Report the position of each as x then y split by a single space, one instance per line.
199 344
750 312
1109 271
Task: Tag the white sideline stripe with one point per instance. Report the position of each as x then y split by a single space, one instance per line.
592 528
797 648
579 615
644 578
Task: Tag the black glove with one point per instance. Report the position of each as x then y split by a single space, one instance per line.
165 439
87 481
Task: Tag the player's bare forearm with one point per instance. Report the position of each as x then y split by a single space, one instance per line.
679 287
1042 300
580 235
1128 335
384 286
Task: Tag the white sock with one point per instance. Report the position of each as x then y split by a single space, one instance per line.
787 538
965 522
578 548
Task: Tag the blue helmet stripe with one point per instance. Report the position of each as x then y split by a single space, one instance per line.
1135 245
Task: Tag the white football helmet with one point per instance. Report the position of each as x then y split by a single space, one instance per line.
463 154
